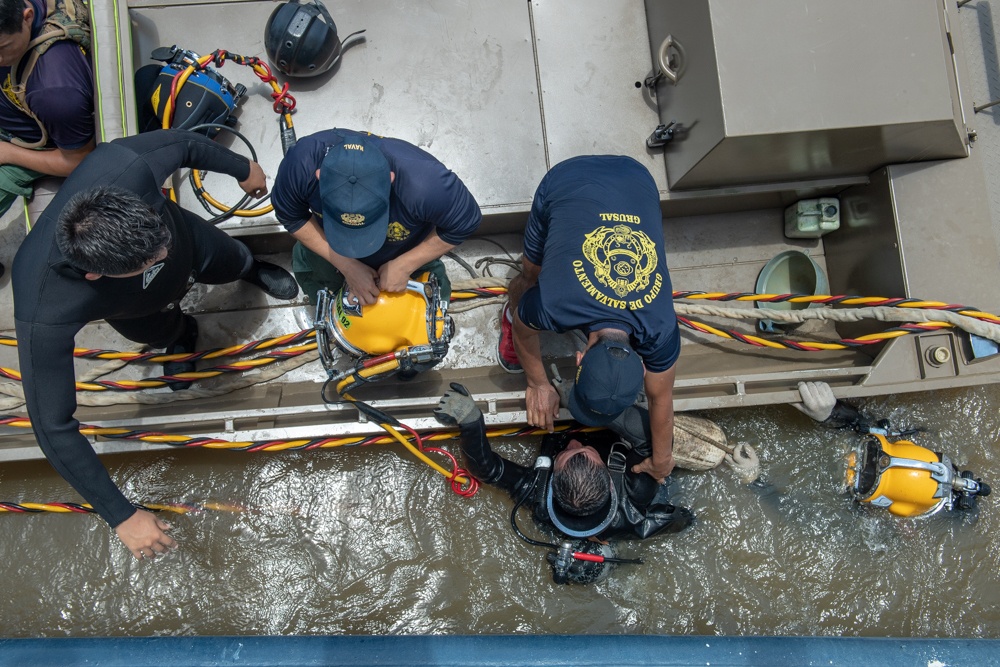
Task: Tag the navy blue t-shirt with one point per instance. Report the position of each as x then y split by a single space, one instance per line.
596 230
60 92
425 194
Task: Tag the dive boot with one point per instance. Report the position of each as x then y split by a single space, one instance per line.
184 345
272 279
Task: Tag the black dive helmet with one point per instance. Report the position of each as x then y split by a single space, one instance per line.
301 39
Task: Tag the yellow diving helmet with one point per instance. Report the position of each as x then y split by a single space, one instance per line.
908 480
415 319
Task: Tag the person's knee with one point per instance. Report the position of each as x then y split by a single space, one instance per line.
437 269
515 290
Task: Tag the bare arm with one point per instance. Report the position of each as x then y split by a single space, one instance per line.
54 162
394 274
660 392
541 399
360 278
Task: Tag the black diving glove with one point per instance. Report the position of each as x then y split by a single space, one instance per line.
456 407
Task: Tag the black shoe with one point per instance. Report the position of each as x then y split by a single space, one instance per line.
2 270
183 345
273 280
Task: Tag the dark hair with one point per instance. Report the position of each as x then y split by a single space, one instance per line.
110 231
11 16
582 486
617 336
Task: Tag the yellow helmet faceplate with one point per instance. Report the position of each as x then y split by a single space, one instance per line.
396 320
900 476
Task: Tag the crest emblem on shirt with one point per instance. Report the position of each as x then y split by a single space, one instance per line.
622 267
396 232
150 273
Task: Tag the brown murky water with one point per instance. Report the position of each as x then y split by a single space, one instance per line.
369 541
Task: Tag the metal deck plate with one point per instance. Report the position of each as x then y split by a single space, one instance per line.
463 87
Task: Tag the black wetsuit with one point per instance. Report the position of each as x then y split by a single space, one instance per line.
53 300
644 509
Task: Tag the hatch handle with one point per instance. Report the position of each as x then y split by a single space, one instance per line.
669 70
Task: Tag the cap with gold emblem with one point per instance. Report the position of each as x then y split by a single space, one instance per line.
354 184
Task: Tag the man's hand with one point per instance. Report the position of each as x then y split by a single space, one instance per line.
361 281
657 470
817 400
256 183
145 535
457 407
393 276
542 403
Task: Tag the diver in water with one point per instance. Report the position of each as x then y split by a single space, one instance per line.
886 470
582 484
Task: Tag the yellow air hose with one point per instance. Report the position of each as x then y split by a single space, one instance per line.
284 104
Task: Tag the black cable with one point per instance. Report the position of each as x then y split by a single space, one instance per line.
513 516
225 215
322 394
461 262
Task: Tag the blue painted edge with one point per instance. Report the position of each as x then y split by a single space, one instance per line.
498 651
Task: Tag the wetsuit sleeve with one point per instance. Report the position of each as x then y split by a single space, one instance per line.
166 151
46 358
442 199
537 228
844 415
488 466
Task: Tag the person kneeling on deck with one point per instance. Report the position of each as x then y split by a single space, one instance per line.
594 260
588 487
47 109
369 211
111 247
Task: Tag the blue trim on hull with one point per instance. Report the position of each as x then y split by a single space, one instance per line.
498 651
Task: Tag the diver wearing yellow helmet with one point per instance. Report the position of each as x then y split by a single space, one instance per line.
906 479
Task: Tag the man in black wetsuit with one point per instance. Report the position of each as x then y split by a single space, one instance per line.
110 246
585 486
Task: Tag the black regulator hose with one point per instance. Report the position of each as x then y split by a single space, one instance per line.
225 215
517 506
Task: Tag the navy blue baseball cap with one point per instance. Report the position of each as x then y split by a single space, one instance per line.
608 380
354 184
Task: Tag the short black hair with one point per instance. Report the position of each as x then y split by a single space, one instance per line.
582 486
11 16
110 231
618 336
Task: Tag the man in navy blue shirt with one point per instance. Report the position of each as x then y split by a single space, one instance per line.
594 260
59 91
369 210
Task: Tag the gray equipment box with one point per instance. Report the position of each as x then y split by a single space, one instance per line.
826 94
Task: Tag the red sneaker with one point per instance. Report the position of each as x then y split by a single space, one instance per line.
506 355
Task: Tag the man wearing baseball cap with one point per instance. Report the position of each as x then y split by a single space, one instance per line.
369 211
594 260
